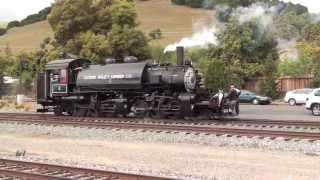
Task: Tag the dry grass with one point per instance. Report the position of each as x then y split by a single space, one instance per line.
3 24
26 38
174 21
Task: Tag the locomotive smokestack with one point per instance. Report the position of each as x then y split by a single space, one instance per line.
180 56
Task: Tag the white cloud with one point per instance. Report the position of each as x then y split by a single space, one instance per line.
19 9
313 5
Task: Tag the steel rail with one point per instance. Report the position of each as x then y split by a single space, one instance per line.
230 131
41 171
237 122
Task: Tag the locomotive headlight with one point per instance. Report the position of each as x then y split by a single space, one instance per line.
190 79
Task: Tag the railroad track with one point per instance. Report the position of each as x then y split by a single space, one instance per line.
178 126
293 124
10 169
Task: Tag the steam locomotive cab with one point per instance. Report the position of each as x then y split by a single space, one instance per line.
57 83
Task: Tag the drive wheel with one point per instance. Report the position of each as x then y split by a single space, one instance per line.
58 111
292 102
316 109
140 108
255 102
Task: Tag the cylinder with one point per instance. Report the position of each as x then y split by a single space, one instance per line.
180 56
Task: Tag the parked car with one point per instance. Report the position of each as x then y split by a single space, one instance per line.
251 97
298 96
313 102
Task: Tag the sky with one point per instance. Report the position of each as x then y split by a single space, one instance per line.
19 9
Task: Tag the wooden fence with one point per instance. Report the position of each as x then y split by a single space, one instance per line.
285 83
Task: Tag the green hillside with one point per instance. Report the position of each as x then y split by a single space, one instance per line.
174 21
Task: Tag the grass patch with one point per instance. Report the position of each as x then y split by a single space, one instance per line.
3 24
19 107
3 104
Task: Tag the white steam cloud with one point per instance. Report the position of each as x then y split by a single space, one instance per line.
258 12
265 16
201 38
203 35
288 49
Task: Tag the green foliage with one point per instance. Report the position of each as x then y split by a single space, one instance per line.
90 45
155 34
245 48
312 32
269 86
10 65
215 72
125 41
13 24
158 55
290 24
3 31
316 67
179 2
295 68
123 14
24 66
97 29
310 52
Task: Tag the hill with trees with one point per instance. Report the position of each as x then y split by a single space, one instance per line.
177 23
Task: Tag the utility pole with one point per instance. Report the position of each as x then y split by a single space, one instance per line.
22 65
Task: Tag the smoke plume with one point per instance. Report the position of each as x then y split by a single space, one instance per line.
203 35
259 12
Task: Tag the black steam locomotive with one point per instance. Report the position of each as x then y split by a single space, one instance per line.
130 89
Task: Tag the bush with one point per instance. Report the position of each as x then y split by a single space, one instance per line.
13 24
155 34
214 74
178 2
3 31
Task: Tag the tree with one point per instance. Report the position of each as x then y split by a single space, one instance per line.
312 33
3 31
311 51
97 29
291 25
269 85
214 70
13 24
155 34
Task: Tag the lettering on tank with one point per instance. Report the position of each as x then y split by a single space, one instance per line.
108 76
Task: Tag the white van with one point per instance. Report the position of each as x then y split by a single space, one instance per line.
297 96
313 102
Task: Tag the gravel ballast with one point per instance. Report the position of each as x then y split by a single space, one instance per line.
173 155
